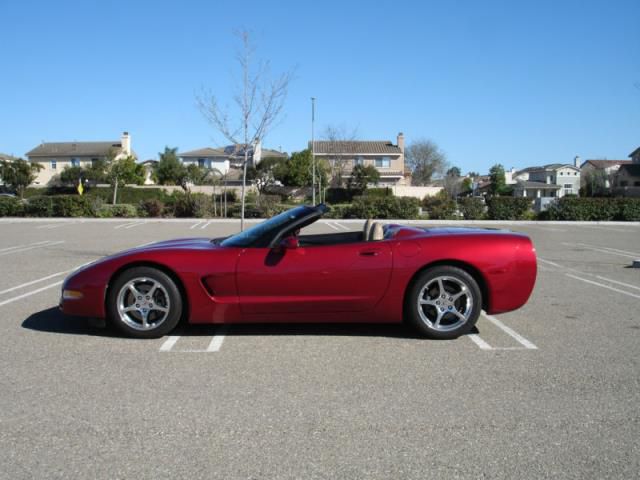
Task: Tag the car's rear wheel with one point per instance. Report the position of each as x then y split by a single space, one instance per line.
444 302
144 302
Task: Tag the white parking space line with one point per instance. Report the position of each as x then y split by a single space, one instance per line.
134 225
330 225
606 227
22 246
124 225
48 243
475 338
28 294
206 225
33 282
169 343
617 282
599 249
214 345
602 285
609 248
509 331
195 225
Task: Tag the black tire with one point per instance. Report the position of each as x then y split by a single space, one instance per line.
457 316
165 296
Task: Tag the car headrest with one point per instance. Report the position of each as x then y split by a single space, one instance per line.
366 231
377 233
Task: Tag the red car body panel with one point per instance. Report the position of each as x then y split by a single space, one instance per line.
348 282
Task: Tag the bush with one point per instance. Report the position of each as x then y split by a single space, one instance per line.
11 207
378 192
72 206
337 195
268 204
119 210
472 208
440 206
594 209
151 208
508 208
383 207
41 206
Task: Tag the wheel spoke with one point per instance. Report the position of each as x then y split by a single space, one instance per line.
427 301
130 308
137 293
458 314
159 309
463 291
441 290
436 324
153 289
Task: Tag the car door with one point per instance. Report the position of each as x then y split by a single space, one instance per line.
314 279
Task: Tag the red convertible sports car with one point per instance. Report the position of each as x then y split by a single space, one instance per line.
438 279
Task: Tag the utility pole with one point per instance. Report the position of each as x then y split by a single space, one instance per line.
313 150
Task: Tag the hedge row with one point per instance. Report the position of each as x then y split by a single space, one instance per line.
594 209
509 208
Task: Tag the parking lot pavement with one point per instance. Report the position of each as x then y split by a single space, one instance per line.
550 390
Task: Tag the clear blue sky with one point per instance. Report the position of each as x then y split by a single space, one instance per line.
511 82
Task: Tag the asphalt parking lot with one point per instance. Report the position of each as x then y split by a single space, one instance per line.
549 391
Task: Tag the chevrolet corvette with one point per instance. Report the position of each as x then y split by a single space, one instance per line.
436 279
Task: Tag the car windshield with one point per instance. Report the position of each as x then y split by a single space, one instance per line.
266 229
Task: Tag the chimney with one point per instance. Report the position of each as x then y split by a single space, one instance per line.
401 142
126 143
576 161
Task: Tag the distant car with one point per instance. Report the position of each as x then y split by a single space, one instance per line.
438 279
7 195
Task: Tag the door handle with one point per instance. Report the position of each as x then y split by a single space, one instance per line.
370 253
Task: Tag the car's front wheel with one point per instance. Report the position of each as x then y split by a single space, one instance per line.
444 302
144 302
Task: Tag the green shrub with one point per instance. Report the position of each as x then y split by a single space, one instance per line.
440 206
383 207
151 208
71 206
11 207
630 209
594 209
121 210
336 195
508 208
472 208
41 206
378 192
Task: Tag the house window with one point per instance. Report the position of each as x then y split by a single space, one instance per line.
94 162
358 161
568 188
201 162
54 164
561 173
383 162
636 184
623 183
75 162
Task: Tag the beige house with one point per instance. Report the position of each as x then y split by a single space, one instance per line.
56 156
207 157
386 157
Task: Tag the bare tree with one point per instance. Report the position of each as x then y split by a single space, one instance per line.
259 100
426 161
338 156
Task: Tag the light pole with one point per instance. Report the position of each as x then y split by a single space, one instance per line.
313 151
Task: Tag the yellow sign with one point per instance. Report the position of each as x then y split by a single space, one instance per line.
80 187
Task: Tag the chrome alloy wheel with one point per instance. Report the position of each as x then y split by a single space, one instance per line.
143 303
445 303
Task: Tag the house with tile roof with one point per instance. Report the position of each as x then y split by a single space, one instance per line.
56 156
386 157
